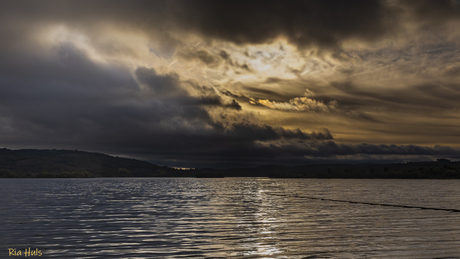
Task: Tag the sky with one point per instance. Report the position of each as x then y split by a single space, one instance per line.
202 83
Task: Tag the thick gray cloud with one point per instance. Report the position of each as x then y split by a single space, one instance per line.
73 102
433 11
304 23
300 153
161 85
324 24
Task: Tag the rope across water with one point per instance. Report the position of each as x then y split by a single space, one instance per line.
367 203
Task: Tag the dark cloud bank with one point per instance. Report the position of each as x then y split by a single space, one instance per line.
304 23
73 103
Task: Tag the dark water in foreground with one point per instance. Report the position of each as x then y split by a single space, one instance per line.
229 217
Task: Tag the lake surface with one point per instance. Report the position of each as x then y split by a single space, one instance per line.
230 217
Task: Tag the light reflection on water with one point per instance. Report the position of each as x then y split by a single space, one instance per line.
230 217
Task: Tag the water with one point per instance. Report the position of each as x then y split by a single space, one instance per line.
229 217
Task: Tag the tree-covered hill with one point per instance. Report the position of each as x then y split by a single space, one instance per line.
69 163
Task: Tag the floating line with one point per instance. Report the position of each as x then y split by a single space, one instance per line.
367 203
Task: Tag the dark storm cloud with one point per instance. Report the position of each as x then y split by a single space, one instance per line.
250 132
161 85
73 102
325 24
433 11
330 148
322 23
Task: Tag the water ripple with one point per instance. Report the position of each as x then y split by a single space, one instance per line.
231 217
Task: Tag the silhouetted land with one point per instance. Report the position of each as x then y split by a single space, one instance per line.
441 169
69 163
79 164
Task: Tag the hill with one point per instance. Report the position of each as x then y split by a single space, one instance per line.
70 163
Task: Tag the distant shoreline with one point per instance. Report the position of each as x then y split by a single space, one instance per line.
31 163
